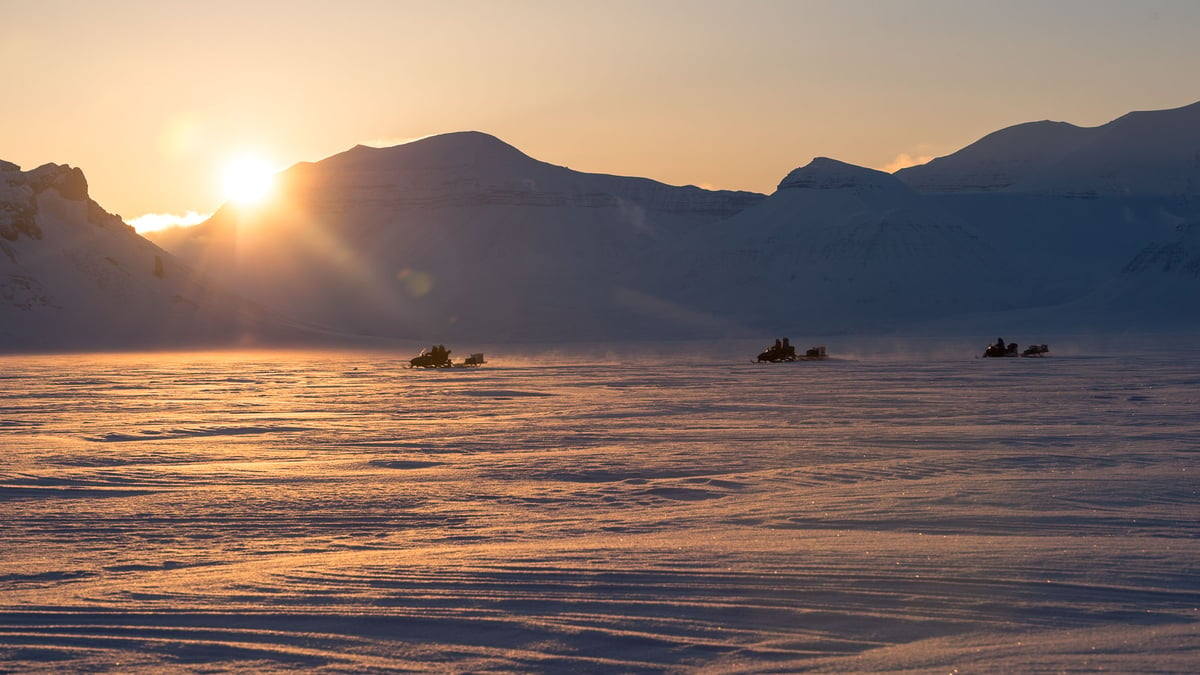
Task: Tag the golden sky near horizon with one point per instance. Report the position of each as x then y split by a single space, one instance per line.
153 98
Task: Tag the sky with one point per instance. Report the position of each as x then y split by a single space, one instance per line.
153 98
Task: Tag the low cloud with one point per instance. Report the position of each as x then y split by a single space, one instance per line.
905 160
152 222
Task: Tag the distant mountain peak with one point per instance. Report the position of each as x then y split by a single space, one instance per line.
1145 152
1190 111
999 159
465 139
823 173
460 147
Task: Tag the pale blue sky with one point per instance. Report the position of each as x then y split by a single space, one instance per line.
151 98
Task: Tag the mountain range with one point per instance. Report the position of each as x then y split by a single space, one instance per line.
462 236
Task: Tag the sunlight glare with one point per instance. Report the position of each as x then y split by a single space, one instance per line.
248 180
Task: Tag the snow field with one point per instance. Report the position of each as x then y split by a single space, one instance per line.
337 512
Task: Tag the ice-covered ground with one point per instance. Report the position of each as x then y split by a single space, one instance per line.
336 512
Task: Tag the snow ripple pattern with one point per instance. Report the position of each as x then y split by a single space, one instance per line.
337 512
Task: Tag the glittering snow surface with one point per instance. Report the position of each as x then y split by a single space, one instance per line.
336 512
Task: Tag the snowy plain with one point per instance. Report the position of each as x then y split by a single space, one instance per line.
613 510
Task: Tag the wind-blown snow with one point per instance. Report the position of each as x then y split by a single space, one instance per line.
562 512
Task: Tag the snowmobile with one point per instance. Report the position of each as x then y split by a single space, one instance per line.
439 357
1001 349
1036 350
788 354
433 358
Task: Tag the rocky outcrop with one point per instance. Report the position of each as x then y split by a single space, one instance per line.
69 181
19 191
18 207
1178 257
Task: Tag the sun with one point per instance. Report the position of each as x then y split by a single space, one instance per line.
248 180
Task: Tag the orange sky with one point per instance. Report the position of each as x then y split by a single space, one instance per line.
153 98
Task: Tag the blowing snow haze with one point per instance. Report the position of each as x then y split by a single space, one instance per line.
1044 224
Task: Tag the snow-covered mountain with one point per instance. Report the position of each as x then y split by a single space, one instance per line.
73 276
997 161
842 247
1160 286
1141 153
475 169
1069 207
1180 257
459 234
464 236
1157 290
